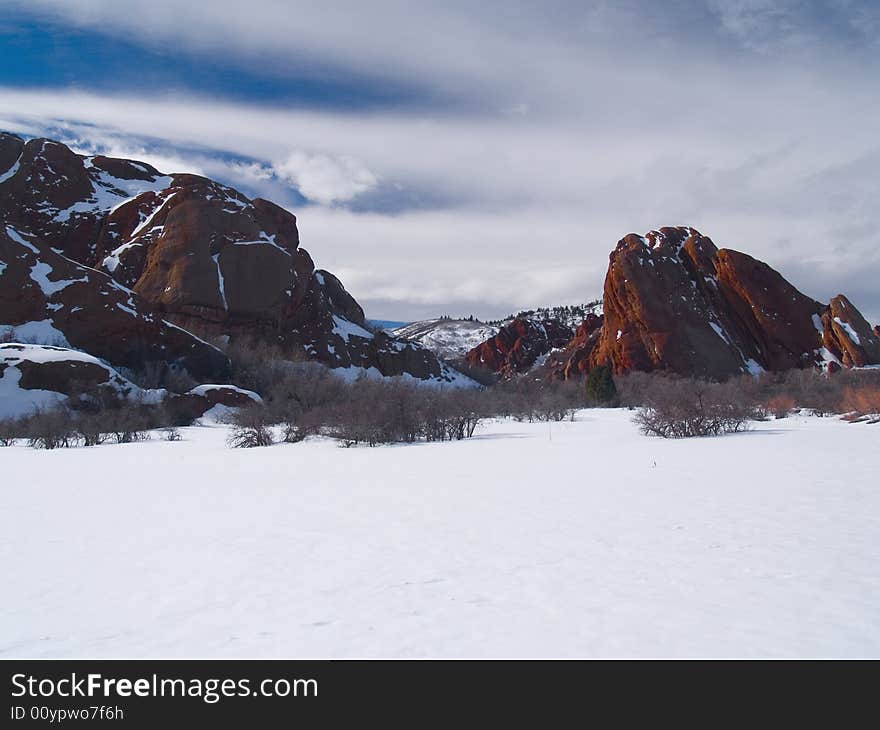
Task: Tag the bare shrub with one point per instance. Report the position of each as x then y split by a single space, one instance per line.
171 433
394 411
50 428
251 427
258 365
780 405
684 408
530 399
90 428
130 424
861 400
157 374
10 431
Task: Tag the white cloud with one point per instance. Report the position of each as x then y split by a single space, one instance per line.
579 122
324 178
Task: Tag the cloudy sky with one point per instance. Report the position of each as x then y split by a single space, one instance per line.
460 157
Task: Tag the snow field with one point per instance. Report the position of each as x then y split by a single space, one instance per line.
578 538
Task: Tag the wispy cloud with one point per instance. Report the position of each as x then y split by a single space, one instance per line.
580 122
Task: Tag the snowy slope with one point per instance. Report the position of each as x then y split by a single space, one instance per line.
745 545
16 401
448 338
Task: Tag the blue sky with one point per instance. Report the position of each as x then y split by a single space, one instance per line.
455 157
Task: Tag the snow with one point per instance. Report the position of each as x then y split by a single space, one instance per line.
447 337
111 261
11 172
40 274
16 401
850 332
16 351
205 388
826 357
450 377
16 236
753 367
718 331
345 329
198 339
40 332
109 192
221 285
143 225
266 240
742 545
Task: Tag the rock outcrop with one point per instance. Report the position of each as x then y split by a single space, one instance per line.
848 336
205 257
40 376
518 345
48 298
673 301
573 360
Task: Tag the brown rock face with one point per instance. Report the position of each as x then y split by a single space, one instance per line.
573 361
41 376
62 377
63 197
518 345
847 336
675 302
184 409
48 297
201 254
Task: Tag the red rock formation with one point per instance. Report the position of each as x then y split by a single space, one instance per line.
848 336
573 360
202 254
674 302
518 345
39 376
48 297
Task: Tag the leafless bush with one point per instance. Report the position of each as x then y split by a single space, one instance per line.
10 431
251 427
684 408
128 424
90 428
534 399
88 418
258 365
52 428
780 405
171 433
861 400
156 374
392 411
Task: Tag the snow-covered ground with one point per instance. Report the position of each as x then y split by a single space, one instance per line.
576 539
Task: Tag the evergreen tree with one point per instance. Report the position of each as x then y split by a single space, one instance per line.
600 385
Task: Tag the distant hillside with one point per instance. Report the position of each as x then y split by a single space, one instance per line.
445 337
568 314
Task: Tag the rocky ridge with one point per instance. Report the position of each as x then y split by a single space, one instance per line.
184 252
